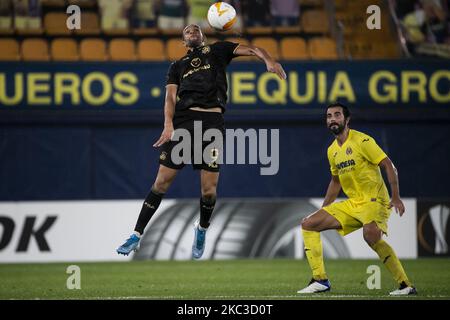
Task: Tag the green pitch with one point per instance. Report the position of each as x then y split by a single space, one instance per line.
228 279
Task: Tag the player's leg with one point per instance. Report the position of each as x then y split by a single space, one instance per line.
163 180
373 236
209 180
151 203
311 227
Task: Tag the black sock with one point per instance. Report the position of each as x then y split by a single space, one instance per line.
149 207
206 210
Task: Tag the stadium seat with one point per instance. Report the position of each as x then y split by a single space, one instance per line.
258 30
151 50
171 32
269 44
63 49
90 24
145 31
6 24
244 42
35 49
293 48
175 49
315 21
322 48
83 3
9 50
93 49
288 30
55 24
122 49
53 3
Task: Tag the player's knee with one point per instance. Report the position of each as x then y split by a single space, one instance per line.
209 190
307 224
371 235
162 184
209 195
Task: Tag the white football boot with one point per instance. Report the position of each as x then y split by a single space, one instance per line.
316 286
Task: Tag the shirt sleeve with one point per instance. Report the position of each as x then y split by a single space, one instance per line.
225 50
371 151
333 169
173 76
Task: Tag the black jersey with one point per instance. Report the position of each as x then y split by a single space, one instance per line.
200 76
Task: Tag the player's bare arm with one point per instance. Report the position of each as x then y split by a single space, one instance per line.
272 65
333 191
169 111
392 176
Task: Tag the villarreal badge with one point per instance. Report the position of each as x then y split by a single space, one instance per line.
349 151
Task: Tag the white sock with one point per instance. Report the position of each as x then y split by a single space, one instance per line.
137 234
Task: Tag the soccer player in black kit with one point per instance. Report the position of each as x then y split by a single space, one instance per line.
199 81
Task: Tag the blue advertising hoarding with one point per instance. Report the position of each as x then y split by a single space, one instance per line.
310 85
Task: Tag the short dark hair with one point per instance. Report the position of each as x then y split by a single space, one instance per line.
345 109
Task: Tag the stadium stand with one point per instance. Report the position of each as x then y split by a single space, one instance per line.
63 49
9 50
93 49
341 24
35 49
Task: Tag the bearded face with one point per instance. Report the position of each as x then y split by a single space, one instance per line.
336 120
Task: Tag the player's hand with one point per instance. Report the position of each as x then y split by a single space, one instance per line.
275 67
166 135
398 205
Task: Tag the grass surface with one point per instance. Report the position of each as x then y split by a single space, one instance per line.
227 279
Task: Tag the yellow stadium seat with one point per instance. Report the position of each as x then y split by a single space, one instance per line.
315 21
258 30
9 49
243 41
268 44
171 32
145 31
93 49
288 30
175 49
53 3
83 3
122 49
55 24
151 50
90 24
322 48
64 49
35 50
293 48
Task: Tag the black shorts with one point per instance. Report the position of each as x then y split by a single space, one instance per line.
185 120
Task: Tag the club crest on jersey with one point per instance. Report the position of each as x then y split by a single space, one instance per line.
206 49
349 151
196 62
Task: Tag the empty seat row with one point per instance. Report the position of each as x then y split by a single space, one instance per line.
123 49
54 24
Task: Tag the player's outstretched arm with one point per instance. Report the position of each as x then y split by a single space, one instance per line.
271 64
333 191
169 111
392 176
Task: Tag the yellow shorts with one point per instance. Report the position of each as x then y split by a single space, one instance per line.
353 216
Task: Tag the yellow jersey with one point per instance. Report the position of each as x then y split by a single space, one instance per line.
356 164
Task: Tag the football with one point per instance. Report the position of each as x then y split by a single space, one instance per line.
221 16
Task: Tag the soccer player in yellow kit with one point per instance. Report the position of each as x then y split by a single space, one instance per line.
355 161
